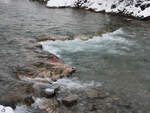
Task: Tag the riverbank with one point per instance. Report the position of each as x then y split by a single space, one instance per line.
137 9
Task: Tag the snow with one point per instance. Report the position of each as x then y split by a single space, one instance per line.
60 3
128 7
6 109
145 13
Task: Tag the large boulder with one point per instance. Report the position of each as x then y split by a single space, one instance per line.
50 69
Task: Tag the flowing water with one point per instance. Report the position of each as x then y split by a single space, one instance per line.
119 59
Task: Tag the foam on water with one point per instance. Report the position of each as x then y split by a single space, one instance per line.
107 43
65 83
74 83
21 109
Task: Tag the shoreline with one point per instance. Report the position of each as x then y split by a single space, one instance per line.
48 4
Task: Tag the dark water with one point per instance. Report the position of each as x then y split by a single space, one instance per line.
122 62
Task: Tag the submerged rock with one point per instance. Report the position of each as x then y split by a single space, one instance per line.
53 38
92 93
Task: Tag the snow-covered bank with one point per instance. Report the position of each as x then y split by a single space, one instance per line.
136 8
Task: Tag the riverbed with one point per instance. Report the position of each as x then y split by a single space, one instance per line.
119 60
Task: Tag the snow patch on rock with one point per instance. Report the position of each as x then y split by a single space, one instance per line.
6 109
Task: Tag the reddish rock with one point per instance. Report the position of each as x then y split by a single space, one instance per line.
54 60
45 69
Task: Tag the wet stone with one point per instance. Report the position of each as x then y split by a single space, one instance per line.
92 93
83 37
70 100
46 90
49 92
100 111
53 38
49 105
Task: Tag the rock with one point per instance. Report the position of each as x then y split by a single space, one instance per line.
49 92
55 77
8 103
63 70
50 105
51 68
92 107
20 90
100 111
91 93
109 105
28 101
70 100
69 112
54 60
83 37
103 31
38 46
53 38
46 90
41 1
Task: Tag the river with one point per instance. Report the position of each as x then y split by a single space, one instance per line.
120 59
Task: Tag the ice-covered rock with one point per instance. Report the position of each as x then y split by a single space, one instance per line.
136 8
6 109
